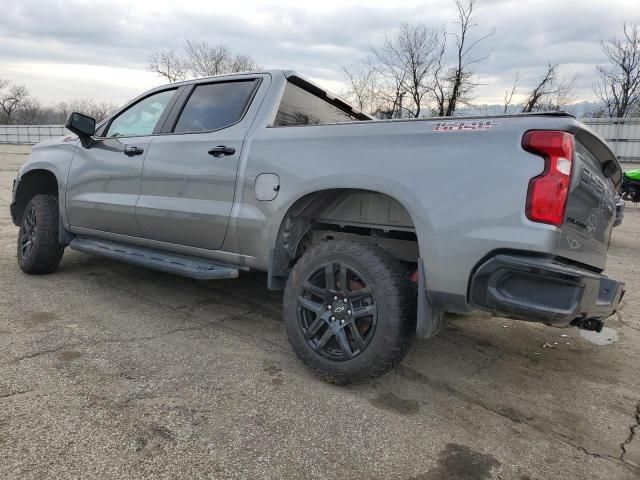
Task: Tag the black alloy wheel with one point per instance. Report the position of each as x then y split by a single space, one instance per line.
28 232
337 311
347 310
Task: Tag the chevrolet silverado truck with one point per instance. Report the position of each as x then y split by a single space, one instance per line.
375 230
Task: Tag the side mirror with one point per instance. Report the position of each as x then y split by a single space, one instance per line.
83 126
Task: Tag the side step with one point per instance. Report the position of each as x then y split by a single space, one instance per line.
182 265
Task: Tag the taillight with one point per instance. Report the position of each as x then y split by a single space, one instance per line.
548 192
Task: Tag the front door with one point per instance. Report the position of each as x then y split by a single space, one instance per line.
189 174
104 180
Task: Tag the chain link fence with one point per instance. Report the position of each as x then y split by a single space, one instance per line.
622 135
30 134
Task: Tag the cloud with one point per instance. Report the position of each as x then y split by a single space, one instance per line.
315 39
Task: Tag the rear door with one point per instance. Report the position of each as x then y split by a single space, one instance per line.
189 174
104 180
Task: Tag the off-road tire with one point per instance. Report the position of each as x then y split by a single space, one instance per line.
45 252
394 329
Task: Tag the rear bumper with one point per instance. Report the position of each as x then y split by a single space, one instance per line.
542 290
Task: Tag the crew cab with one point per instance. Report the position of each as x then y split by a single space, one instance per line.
374 229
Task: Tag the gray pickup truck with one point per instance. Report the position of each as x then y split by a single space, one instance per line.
374 229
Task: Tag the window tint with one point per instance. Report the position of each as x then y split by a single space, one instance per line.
141 118
299 107
214 106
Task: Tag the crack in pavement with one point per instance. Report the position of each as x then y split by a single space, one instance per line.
38 353
221 323
419 377
190 313
630 437
569 441
15 393
241 335
190 309
99 342
621 319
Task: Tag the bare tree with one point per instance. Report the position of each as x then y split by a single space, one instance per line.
372 93
413 73
101 110
619 84
375 92
562 97
167 64
460 79
242 63
439 91
508 94
29 113
360 83
17 106
200 59
12 98
391 97
544 86
204 59
551 92
96 110
406 61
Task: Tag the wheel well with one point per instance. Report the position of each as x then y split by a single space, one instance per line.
33 183
362 215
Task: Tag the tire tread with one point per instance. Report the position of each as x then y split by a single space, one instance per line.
392 279
47 251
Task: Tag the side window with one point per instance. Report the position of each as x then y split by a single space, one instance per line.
299 107
214 106
141 118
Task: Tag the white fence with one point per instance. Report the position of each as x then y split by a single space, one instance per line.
622 134
30 134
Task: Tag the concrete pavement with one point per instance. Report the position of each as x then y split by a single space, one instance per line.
113 371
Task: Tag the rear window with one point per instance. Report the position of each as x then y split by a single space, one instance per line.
214 106
299 107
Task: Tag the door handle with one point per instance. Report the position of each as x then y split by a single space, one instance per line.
132 150
221 151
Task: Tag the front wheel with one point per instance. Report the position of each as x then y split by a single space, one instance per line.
346 310
38 248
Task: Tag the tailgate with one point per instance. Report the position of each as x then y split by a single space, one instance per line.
591 209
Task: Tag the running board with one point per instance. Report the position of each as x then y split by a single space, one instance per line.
182 265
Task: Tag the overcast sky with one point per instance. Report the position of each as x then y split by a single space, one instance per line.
63 49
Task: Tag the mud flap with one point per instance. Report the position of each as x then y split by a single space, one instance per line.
275 282
430 318
64 236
